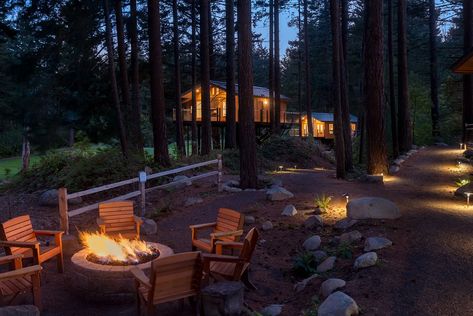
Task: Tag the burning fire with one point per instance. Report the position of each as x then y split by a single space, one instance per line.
108 249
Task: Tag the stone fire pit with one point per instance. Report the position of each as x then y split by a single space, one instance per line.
106 283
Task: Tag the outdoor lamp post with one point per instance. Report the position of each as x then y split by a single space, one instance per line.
461 145
347 196
468 198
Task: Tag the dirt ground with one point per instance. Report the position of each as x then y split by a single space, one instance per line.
427 271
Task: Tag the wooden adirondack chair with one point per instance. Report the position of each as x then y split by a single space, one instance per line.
18 237
232 268
228 227
118 218
20 280
172 278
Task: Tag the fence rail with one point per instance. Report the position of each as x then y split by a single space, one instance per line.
64 197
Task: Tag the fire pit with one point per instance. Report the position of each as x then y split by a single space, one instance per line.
101 271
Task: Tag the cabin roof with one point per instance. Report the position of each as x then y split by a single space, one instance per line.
328 117
464 65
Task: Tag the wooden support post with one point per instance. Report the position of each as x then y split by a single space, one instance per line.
142 184
219 174
63 209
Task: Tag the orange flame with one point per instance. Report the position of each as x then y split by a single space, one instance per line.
108 249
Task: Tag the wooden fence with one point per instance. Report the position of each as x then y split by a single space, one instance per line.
64 196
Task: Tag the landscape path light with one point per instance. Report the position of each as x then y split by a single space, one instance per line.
468 194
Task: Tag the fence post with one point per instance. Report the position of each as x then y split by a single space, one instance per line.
142 184
63 209
219 174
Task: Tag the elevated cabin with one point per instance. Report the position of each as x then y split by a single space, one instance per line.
323 125
218 110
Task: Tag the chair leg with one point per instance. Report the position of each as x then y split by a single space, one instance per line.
36 291
60 263
245 278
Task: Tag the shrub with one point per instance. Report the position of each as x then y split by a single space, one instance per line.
323 201
304 264
462 181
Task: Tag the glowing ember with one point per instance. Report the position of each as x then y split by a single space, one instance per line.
107 250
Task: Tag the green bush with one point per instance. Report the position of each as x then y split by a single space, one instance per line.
323 201
10 143
304 264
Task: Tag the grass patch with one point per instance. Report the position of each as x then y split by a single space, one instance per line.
9 167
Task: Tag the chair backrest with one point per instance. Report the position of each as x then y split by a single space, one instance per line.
246 252
17 229
229 220
117 216
176 276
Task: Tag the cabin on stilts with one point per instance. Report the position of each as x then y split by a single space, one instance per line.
323 126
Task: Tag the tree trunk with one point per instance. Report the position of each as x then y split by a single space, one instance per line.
158 110
347 135
392 93
135 118
212 61
195 147
299 67
308 98
205 77
181 150
434 94
467 79
338 121
374 87
113 79
230 133
277 71
25 152
404 114
272 112
248 173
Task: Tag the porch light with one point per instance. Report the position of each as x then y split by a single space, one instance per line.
468 194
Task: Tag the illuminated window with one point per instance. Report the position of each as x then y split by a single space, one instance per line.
330 129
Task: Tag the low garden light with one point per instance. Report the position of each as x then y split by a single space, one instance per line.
468 194
295 166
461 145
347 197
281 168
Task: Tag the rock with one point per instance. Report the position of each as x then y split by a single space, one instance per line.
223 298
468 153
181 182
19 310
369 178
312 243
267 225
50 198
230 189
403 157
350 237
394 169
149 227
338 304
309 212
331 285
327 264
345 223
319 255
192 200
372 208
375 243
272 310
300 286
289 210
411 152
277 193
440 144
365 260
415 147
249 219
313 221
398 161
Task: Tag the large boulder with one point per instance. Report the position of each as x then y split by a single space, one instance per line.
148 227
19 310
313 221
223 298
365 260
331 285
375 243
372 208
277 193
50 198
345 223
312 243
289 210
338 304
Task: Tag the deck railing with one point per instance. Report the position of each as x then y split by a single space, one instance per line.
64 197
261 116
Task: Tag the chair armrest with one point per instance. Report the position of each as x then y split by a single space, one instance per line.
227 234
138 219
202 226
140 276
8 259
20 272
48 232
20 244
208 257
